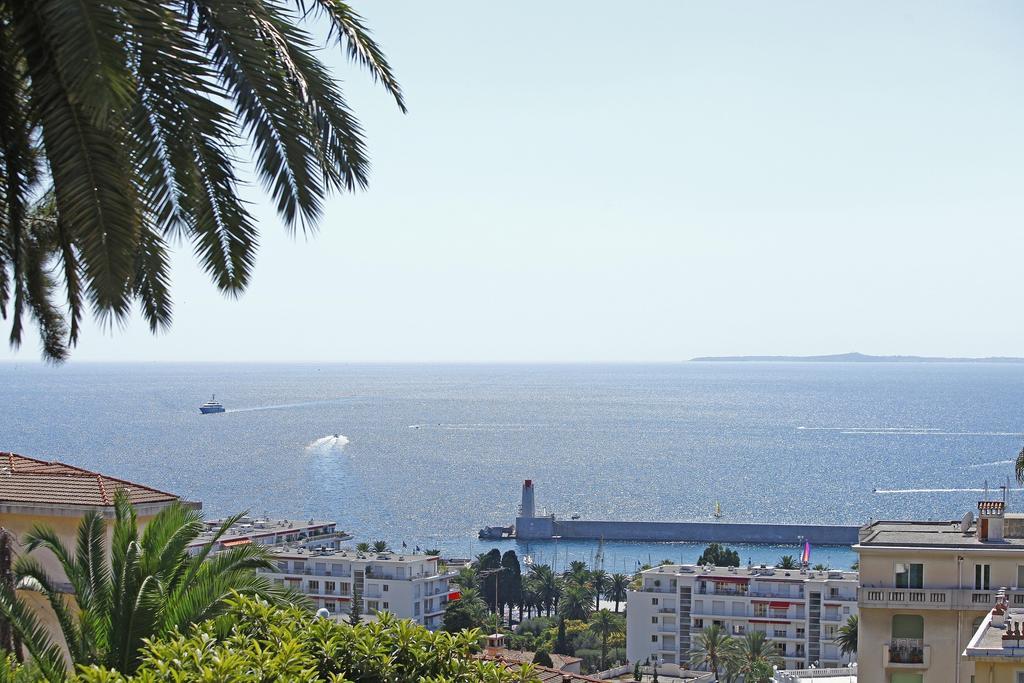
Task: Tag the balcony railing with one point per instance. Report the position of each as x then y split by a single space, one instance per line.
909 653
932 598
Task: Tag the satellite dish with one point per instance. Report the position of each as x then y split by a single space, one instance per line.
966 522
322 613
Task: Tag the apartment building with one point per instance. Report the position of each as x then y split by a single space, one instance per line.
799 611
926 588
409 586
267 531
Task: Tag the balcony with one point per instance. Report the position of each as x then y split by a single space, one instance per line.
931 598
906 653
906 598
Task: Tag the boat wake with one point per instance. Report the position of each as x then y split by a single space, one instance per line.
328 443
991 464
283 406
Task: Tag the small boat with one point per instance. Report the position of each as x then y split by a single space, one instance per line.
718 510
211 406
337 436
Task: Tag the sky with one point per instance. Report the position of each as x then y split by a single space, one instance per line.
599 181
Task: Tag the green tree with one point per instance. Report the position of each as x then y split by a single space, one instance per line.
577 602
820 567
380 547
355 610
120 124
141 586
433 552
598 580
466 578
617 589
760 672
604 624
719 556
549 588
846 641
256 642
542 658
714 650
755 648
486 563
9 639
577 573
562 646
510 590
468 612
787 562
637 674
362 547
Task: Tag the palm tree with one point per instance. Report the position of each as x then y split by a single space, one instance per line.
120 124
380 547
847 638
548 586
138 588
577 573
598 578
466 579
617 589
362 547
787 562
755 647
576 602
603 624
715 649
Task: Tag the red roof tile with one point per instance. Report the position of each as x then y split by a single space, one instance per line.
33 481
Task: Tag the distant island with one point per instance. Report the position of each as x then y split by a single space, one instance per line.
859 358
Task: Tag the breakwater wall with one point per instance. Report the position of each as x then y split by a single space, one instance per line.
701 532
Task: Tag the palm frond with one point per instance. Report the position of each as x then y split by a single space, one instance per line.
348 28
31 573
47 655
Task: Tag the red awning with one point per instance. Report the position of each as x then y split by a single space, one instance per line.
782 605
454 595
768 621
236 542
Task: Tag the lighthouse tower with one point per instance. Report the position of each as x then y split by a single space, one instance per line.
528 508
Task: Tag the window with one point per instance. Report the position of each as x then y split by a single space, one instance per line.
654 639
760 609
654 601
654 620
982 576
385 606
344 588
416 609
329 586
718 607
372 606
1020 576
314 586
698 623
329 605
907 626
906 678
909 575
385 588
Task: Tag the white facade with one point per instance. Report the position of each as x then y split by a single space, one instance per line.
408 586
800 612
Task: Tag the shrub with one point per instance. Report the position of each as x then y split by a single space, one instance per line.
254 642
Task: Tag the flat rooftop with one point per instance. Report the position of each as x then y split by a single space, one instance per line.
988 642
348 554
254 527
936 534
752 572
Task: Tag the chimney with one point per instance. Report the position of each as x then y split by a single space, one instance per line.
529 508
991 515
495 642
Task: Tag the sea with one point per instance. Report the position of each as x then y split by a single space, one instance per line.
425 455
